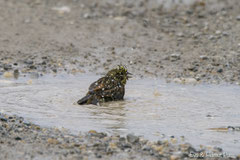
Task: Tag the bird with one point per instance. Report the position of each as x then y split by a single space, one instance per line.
111 87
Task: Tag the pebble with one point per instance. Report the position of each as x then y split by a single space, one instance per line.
62 9
177 80
218 32
18 138
175 57
203 57
7 67
52 141
132 139
8 74
174 157
238 18
211 37
190 80
29 62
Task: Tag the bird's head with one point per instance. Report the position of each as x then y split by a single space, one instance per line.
120 73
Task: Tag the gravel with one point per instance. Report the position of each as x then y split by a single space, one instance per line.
23 140
81 36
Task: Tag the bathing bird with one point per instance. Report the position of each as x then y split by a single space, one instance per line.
111 87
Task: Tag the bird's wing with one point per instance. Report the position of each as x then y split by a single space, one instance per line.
97 85
105 84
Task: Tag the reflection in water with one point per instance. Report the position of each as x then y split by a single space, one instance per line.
114 112
151 108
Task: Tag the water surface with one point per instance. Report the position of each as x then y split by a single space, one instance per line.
152 108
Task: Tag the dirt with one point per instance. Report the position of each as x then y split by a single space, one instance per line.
198 41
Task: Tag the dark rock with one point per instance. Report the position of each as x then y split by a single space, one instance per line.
146 148
44 63
238 18
220 70
122 139
7 67
29 62
54 70
126 145
193 68
159 143
32 67
3 119
218 149
18 138
132 139
175 57
203 57
98 155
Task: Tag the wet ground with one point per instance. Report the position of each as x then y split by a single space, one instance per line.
152 108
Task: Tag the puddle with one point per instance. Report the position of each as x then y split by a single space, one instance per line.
151 108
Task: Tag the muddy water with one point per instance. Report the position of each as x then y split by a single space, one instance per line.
152 108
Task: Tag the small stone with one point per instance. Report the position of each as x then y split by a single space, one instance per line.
203 57
190 80
211 37
32 67
157 148
92 131
52 141
220 70
27 21
8 74
146 148
7 67
132 139
18 138
225 33
174 157
175 57
126 145
238 18
180 34
177 80
112 145
122 139
62 9
156 93
98 155
86 15
174 140
193 68
218 32
3 119
29 82
29 62
54 70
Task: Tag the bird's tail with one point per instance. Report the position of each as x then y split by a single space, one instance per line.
88 99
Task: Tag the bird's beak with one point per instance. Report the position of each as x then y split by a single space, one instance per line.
129 75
